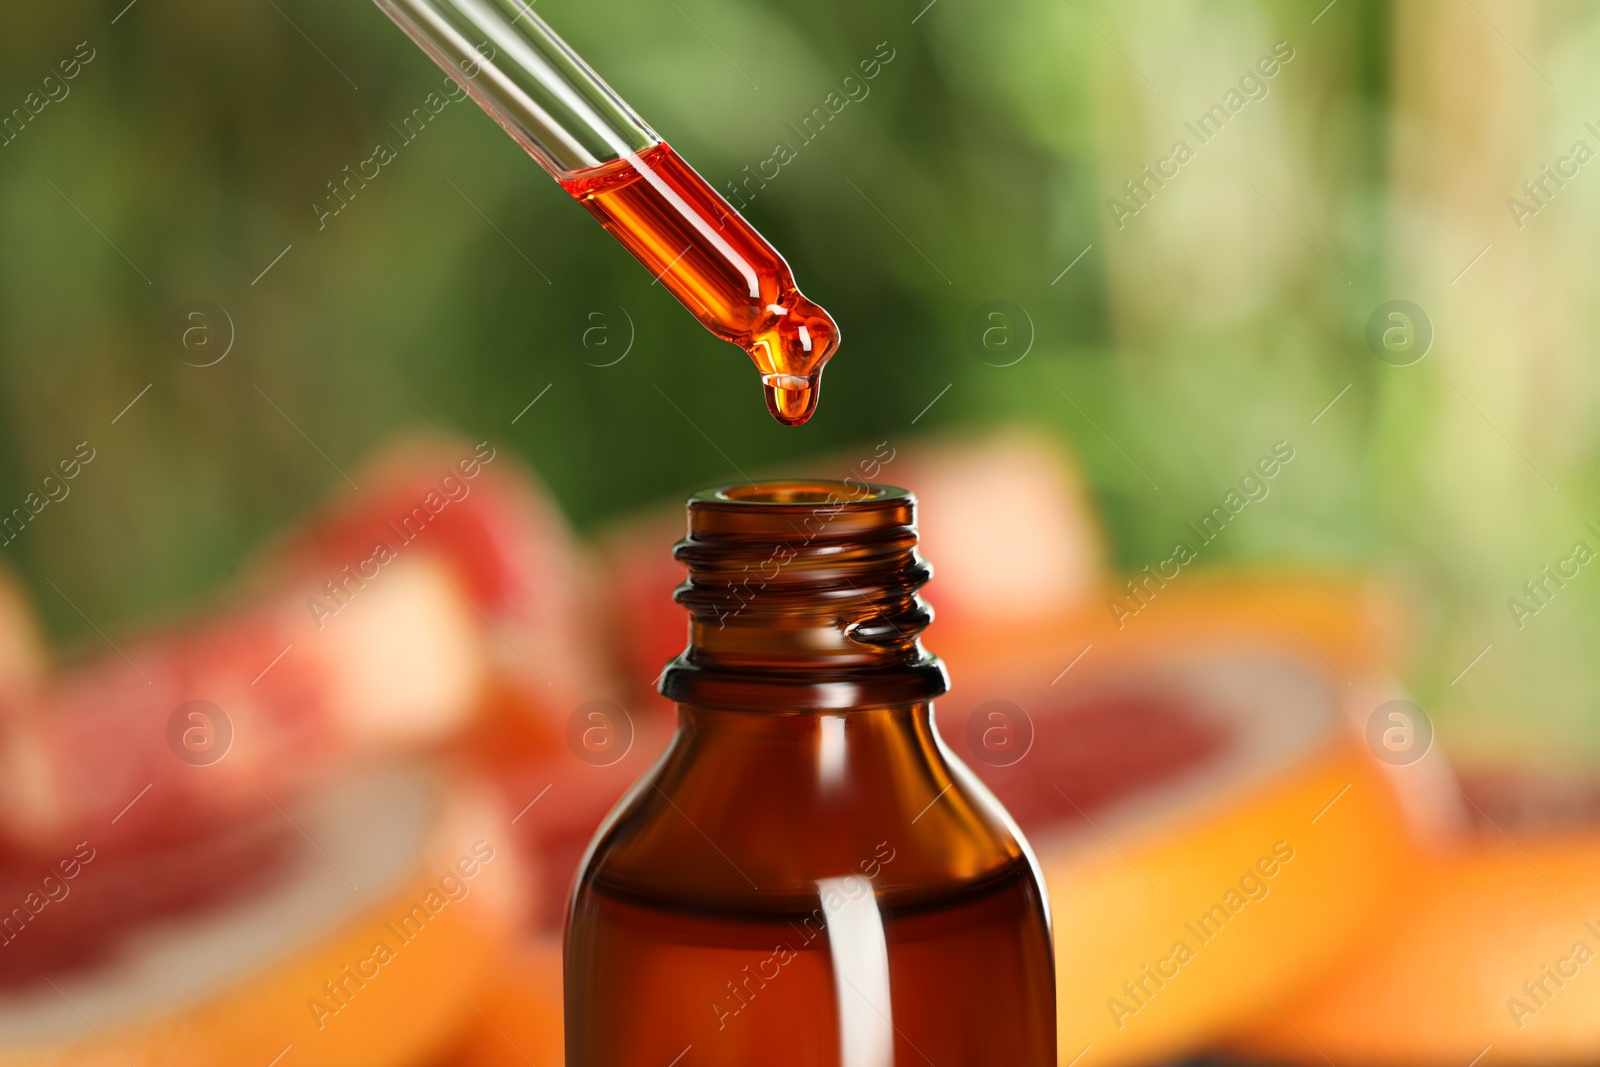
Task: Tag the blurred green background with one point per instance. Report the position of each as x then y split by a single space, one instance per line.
1221 318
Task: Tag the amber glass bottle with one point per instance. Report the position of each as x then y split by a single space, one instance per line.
808 876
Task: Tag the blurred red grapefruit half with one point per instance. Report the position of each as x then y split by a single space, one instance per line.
365 947
1210 828
1489 951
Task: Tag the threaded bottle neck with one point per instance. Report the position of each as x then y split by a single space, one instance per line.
803 595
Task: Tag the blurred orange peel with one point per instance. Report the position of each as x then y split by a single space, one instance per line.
1196 799
1490 953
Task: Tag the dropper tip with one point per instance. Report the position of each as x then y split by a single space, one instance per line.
792 399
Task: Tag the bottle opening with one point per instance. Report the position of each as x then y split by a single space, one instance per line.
802 492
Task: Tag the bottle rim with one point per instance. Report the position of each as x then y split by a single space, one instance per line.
801 492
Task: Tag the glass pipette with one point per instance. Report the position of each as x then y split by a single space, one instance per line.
691 239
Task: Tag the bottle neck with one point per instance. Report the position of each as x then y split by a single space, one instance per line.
803 596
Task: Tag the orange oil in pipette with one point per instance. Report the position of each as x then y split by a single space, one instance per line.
692 241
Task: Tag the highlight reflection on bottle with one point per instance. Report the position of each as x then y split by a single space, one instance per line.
808 877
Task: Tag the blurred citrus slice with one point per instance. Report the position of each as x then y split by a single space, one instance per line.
381 625
1492 951
1211 830
521 1021
489 522
365 949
